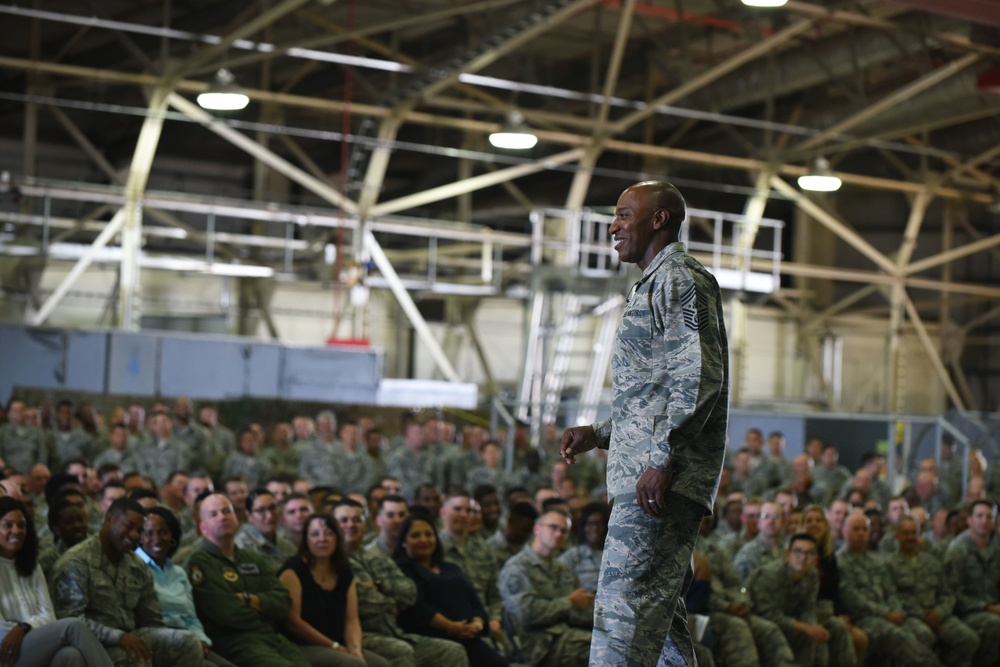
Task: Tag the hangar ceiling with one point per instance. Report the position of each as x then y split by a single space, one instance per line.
383 107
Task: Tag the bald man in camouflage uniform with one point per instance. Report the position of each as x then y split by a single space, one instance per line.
870 600
927 595
666 434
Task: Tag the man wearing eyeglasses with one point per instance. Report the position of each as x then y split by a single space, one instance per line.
766 546
554 614
785 592
665 437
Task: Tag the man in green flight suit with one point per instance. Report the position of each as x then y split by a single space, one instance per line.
236 593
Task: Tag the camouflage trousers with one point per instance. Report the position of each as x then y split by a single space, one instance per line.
640 619
957 642
570 649
987 625
894 643
749 642
416 651
170 647
838 652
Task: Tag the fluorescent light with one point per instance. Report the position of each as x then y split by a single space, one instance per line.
820 179
764 3
223 94
514 134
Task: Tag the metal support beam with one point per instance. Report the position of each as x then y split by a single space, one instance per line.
562 138
581 180
932 354
475 183
409 307
92 151
268 157
129 287
833 224
913 224
264 19
761 48
953 254
81 265
908 91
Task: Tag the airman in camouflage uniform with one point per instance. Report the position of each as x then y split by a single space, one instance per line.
113 592
244 462
973 561
869 599
201 450
666 434
785 592
318 462
766 546
164 454
21 446
275 553
65 441
383 590
926 594
552 612
412 464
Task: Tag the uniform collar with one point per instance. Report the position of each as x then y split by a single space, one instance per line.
661 257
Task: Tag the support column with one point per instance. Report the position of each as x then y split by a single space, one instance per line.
130 289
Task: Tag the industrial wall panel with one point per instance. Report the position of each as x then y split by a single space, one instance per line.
205 369
262 370
133 364
86 361
329 375
31 358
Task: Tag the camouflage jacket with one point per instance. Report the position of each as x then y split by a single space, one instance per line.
975 573
755 554
383 590
779 598
920 583
865 587
111 599
477 561
670 368
535 593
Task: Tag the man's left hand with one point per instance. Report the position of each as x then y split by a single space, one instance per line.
651 491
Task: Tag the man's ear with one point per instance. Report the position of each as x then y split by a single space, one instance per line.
661 217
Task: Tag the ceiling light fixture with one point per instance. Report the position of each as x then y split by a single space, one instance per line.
764 3
821 178
223 94
514 134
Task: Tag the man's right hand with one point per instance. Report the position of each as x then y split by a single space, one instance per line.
580 598
577 440
135 649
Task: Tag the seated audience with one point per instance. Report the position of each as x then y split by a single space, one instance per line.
585 558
